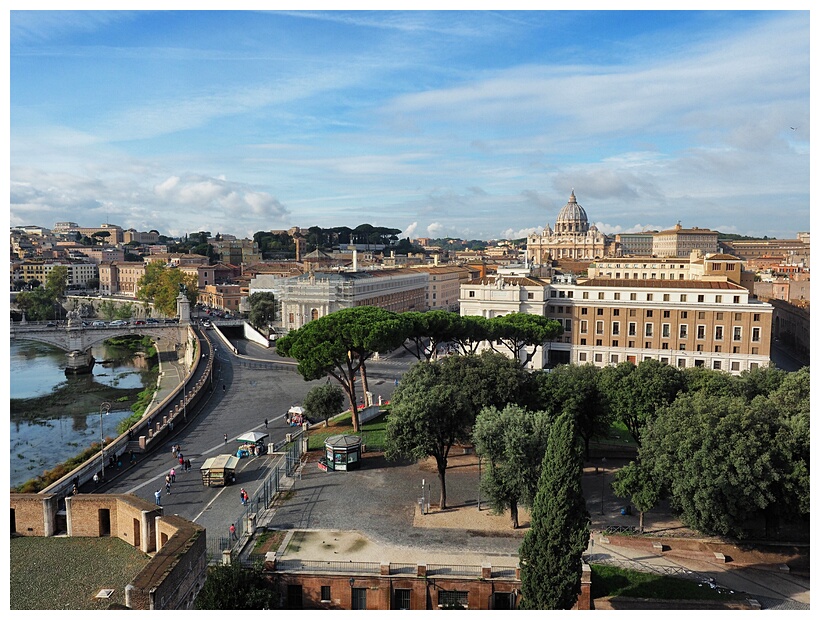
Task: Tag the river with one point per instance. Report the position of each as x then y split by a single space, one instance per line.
37 369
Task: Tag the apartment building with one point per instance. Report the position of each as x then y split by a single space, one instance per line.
313 295
221 296
711 323
443 286
78 273
120 278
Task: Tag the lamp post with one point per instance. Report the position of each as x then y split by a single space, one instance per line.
603 479
105 407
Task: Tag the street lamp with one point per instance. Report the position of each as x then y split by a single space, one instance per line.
603 479
105 407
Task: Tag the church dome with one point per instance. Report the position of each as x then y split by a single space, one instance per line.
572 217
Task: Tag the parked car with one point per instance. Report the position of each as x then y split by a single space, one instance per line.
98 324
118 323
171 321
50 324
152 321
139 322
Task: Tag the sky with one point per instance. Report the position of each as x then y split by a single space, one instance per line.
470 124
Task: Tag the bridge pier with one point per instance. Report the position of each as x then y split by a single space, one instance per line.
79 362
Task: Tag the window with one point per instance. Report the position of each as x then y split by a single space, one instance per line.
684 314
582 357
567 325
617 296
736 366
562 294
717 348
753 365
599 357
583 340
599 311
699 347
666 330
599 327
600 295
718 299
401 599
681 362
633 327
664 345
736 334
583 327
649 313
325 594
616 328
613 359
616 312
665 360
630 344
719 316
666 314
755 334
585 295
737 316
530 295
583 310
452 599
756 317
599 342
700 299
735 349
682 347
647 345
701 332
736 299
471 294
648 330
633 312
716 365
701 316
698 363
649 297
633 296
665 296
683 296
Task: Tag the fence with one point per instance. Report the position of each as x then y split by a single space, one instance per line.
245 523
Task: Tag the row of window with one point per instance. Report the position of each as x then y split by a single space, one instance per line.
666 328
649 313
447 599
630 344
682 297
614 358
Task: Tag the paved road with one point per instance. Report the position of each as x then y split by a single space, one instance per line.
254 389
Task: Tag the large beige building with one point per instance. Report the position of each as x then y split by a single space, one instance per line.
120 278
443 286
711 323
680 242
573 239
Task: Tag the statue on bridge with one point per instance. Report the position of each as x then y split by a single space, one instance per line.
74 319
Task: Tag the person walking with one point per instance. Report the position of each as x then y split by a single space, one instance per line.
242 496
96 479
158 497
187 464
266 423
173 474
232 530
226 437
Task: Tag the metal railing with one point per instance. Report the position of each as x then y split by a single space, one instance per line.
644 567
317 566
444 569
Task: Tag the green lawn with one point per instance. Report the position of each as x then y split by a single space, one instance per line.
613 581
617 435
373 432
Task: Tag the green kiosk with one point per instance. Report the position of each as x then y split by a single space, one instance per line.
342 452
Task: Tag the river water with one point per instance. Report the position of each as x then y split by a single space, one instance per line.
37 369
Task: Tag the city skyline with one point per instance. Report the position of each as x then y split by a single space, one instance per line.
463 124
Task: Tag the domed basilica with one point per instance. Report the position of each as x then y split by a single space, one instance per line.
572 240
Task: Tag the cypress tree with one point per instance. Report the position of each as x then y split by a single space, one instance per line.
551 552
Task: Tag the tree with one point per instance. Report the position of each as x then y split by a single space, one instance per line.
57 281
514 441
559 527
635 393
262 313
437 403
37 304
232 586
161 285
519 331
324 401
722 462
101 236
640 486
339 344
471 332
576 389
426 330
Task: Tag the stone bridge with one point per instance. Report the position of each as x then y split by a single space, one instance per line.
78 340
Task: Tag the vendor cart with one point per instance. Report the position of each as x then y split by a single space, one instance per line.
219 471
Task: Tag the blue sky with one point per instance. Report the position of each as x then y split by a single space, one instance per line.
453 123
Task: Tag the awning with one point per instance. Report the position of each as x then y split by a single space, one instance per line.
296 409
251 437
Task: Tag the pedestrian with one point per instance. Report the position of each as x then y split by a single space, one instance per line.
173 475
174 450
181 460
226 437
266 423
96 479
242 496
168 487
158 497
187 464
223 387
232 530
74 490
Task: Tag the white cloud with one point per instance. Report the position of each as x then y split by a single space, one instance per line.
410 230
